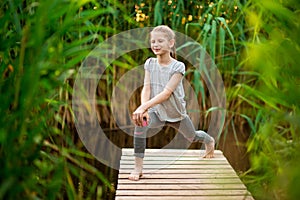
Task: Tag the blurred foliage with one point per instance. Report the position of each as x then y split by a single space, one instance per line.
42 45
255 45
271 55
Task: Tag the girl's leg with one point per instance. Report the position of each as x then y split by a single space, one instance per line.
140 134
186 128
139 142
208 141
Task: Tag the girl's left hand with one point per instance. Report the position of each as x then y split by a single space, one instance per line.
138 116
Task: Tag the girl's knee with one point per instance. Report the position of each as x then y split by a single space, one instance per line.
138 133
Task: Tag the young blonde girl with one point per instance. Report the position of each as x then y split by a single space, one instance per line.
162 98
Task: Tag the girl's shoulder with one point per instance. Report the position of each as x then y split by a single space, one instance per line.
150 61
178 66
179 63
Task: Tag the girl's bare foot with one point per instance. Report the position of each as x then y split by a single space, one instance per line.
135 176
209 149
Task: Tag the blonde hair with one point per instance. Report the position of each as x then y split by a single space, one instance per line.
170 34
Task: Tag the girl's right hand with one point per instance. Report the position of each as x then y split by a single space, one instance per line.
138 115
146 119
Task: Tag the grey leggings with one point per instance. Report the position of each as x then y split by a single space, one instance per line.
184 126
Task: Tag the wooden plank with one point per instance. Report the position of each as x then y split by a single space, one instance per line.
183 192
177 162
173 166
187 180
181 186
184 197
180 174
186 171
169 158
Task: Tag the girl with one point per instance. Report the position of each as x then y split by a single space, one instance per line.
162 98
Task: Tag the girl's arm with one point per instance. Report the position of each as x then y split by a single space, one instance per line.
145 95
161 97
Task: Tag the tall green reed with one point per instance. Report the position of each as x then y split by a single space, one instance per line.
42 45
271 62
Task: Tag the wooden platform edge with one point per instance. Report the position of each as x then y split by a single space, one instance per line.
180 174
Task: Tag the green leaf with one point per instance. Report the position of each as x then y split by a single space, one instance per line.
221 19
250 122
221 40
213 38
157 13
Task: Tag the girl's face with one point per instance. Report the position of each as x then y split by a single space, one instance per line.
160 43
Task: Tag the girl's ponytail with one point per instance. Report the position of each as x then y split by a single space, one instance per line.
173 52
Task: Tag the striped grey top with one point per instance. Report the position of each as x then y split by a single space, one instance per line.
173 109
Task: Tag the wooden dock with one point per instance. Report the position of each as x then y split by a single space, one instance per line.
179 174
